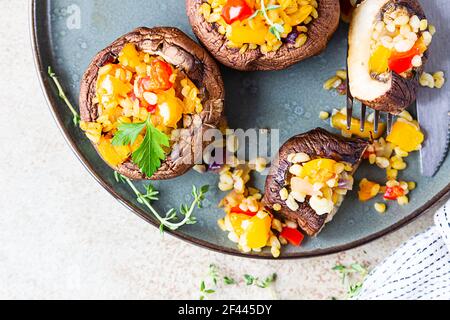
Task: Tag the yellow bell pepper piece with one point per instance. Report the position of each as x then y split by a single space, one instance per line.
319 170
339 121
368 190
236 220
170 108
129 56
406 135
113 155
258 232
379 61
241 34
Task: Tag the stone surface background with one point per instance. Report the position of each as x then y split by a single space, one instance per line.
63 237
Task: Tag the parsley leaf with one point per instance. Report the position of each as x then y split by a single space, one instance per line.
128 133
149 155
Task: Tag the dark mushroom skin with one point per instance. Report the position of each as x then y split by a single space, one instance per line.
182 52
403 91
317 143
319 34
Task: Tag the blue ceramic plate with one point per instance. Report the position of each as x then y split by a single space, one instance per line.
68 33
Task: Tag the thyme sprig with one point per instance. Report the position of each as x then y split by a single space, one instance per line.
214 275
353 289
275 28
251 280
76 117
171 220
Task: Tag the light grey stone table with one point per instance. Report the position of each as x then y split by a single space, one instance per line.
63 236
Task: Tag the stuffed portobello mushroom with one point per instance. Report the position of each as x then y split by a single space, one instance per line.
388 47
253 35
310 177
146 100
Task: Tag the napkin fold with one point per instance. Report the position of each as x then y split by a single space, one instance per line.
418 270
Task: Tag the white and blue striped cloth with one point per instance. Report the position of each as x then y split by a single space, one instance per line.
419 269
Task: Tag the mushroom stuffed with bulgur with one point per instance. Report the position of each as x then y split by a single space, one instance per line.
388 47
310 177
137 95
253 35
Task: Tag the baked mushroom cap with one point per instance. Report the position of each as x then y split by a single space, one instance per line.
317 143
182 52
398 93
320 31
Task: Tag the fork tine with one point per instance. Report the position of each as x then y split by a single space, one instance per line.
390 120
376 121
349 111
350 100
363 117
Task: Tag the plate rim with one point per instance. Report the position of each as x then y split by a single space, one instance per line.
51 100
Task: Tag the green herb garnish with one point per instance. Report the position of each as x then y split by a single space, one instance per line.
171 219
76 117
251 280
228 281
204 292
213 273
358 269
275 28
150 153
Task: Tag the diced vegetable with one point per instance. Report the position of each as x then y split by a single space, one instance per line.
406 135
368 190
400 62
236 220
241 34
258 232
113 155
393 193
170 108
238 210
159 79
319 170
236 10
339 121
379 60
294 236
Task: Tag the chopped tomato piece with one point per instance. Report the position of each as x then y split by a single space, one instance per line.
294 236
238 210
151 109
159 80
236 10
393 193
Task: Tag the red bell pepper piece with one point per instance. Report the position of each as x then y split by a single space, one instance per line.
238 210
294 236
236 10
393 193
400 62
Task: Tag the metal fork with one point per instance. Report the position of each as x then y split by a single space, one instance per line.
376 121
